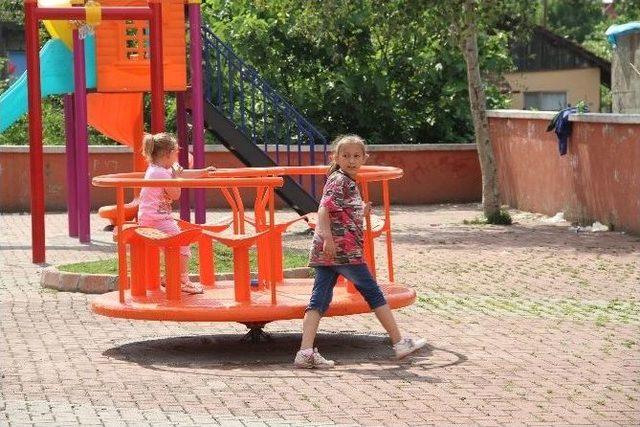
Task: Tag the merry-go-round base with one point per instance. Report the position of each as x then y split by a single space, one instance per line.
217 303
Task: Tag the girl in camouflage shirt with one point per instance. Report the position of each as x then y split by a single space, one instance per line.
337 250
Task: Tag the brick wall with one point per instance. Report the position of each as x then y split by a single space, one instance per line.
598 179
432 174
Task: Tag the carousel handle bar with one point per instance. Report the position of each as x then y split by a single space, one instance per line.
135 180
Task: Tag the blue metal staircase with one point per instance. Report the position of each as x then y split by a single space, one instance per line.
247 115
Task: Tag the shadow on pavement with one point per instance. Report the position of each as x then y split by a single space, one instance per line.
366 354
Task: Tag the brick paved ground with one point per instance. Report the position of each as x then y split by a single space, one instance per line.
529 324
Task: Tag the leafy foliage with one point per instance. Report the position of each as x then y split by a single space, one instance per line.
382 69
574 18
52 127
4 82
502 217
11 11
584 22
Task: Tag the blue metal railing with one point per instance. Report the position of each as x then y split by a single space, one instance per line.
239 93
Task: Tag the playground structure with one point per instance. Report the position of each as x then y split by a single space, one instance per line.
102 57
271 297
138 46
127 57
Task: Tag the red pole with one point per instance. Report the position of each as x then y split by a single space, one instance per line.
108 13
35 132
157 72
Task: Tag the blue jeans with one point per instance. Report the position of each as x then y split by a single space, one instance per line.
358 274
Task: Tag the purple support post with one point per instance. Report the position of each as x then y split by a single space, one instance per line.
183 157
81 137
72 195
197 112
157 67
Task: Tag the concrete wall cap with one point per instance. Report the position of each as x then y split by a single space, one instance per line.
521 114
606 118
548 115
113 149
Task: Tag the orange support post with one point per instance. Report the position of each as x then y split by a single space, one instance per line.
152 267
172 267
272 208
207 261
122 248
234 209
240 209
387 222
369 254
138 264
242 275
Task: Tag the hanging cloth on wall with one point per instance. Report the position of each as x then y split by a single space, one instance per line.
562 126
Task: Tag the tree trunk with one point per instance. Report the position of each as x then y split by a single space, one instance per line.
477 99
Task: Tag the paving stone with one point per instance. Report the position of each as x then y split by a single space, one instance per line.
528 324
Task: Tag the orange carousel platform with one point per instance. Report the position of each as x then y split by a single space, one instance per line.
252 302
218 304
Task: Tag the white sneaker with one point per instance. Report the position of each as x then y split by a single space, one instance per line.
307 360
406 346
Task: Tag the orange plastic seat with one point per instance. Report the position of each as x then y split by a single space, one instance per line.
110 212
206 255
239 244
171 245
271 246
127 225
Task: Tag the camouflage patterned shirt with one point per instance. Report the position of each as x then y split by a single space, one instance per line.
341 198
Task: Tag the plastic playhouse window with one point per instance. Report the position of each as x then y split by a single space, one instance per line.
136 41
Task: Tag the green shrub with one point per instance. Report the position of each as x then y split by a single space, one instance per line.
500 218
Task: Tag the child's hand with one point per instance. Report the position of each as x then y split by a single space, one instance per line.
204 172
176 170
367 208
329 248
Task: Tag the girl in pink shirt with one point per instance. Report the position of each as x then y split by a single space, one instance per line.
154 210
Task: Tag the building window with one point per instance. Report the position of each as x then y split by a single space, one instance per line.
545 101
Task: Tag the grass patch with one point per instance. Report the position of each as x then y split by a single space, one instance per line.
479 220
501 217
293 258
600 312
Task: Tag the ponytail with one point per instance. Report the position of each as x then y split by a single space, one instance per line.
147 147
333 166
158 144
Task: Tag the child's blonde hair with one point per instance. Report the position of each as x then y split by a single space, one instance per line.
340 141
157 145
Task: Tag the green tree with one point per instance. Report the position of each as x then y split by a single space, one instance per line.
11 11
584 22
574 18
373 67
465 21
4 82
596 41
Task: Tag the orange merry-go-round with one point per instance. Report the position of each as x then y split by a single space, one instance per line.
251 302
